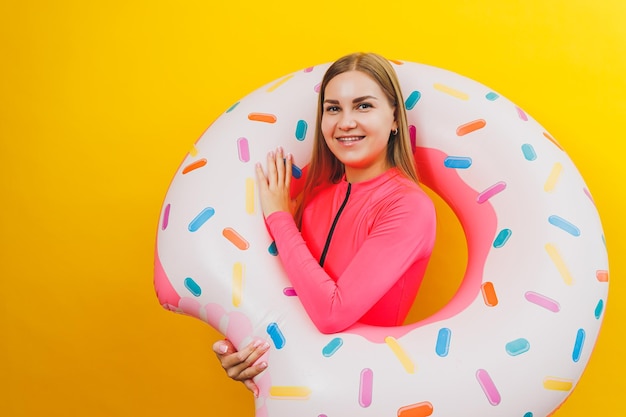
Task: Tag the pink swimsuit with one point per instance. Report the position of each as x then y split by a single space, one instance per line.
376 253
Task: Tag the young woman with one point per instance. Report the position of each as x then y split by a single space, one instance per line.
357 247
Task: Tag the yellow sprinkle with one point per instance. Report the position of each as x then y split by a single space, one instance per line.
249 196
557 384
558 262
290 392
279 83
406 362
238 273
553 177
193 151
451 91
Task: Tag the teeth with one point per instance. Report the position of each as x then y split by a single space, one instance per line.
352 139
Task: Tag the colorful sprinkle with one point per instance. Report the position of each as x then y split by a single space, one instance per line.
557 384
601 275
551 139
491 96
332 347
243 150
400 353
470 127
588 194
290 392
412 99
194 165
489 294
553 177
578 345
279 83
458 162
166 217
231 108
235 238
489 388
192 286
309 69
491 191
443 342
423 409
276 335
528 414
250 195
193 151
529 152
521 114
413 137
542 301
238 275
451 91
517 347
564 225
301 128
365 387
502 238
296 172
599 308
272 249
201 218
262 117
558 262
289 292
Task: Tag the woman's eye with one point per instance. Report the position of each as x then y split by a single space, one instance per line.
332 109
363 106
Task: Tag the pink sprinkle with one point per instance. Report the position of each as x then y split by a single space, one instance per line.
244 151
489 388
413 136
365 388
309 69
166 217
289 292
542 301
521 114
589 195
490 192
317 87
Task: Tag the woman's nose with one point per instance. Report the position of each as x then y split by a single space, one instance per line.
347 121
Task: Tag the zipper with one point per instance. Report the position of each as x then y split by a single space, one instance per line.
332 228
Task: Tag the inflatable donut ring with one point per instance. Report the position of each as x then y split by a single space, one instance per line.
515 338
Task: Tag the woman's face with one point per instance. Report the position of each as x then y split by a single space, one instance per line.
357 120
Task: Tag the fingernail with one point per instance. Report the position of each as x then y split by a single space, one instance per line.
223 348
257 343
263 365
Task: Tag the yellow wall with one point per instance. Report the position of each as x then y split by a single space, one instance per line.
100 100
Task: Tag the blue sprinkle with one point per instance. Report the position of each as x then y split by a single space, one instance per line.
232 107
492 96
517 347
502 238
193 287
301 129
529 152
296 172
332 347
201 218
412 100
528 414
599 309
272 249
458 162
443 342
277 336
578 345
563 224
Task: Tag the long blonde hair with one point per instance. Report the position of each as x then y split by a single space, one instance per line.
324 166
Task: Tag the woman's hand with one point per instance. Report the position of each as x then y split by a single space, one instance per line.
274 188
240 365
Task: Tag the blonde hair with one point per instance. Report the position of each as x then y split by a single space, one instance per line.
324 166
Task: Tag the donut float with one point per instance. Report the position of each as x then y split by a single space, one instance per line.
515 338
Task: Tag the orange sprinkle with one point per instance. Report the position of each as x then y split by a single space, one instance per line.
602 276
194 165
262 117
470 127
551 139
235 238
423 409
489 294
395 61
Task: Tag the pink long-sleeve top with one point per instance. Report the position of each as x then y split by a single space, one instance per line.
376 254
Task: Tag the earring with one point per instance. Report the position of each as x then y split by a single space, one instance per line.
394 131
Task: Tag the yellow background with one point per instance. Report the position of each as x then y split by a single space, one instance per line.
100 101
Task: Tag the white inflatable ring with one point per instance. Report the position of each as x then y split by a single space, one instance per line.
516 337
